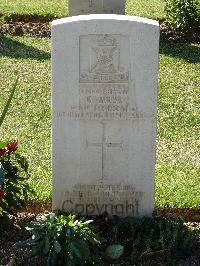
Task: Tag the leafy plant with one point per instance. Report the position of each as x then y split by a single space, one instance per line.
150 238
182 14
64 239
14 186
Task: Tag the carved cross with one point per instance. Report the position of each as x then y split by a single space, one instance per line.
103 145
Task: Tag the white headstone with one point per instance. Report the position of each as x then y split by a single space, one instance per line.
84 7
104 92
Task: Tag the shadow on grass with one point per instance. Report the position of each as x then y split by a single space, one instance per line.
16 49
189 53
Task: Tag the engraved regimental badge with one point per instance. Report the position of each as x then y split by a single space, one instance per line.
104 58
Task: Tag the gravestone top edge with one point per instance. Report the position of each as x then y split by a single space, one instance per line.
104 17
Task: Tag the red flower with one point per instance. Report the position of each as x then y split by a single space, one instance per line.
12 146
2 151
2 193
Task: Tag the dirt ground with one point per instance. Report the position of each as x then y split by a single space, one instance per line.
11 256
36 26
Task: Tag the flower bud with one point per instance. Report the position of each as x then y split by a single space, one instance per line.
2 193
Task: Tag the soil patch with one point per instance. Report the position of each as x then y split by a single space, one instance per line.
16 232
29 29
38 26
27 18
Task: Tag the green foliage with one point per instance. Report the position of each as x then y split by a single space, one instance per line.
65 240
14 186
147 237
114 251
5 18
182 14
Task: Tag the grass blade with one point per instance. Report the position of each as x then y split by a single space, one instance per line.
5 110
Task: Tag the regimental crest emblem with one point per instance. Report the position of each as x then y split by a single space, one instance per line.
104 58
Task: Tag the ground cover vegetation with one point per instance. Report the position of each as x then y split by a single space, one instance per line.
54 239
49 8
64 239
29 118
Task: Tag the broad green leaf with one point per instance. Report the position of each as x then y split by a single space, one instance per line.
27 242
57 247
36 250
52 257
46 246
74 249
114 251
3 144
5 110
80 248
70 262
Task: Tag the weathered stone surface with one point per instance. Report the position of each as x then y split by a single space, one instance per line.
84 7
104 92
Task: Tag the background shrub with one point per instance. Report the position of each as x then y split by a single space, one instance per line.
182 14
145 238
14 179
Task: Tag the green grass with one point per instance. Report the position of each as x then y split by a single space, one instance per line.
59 8
43 8
178 172
29 118
145 8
